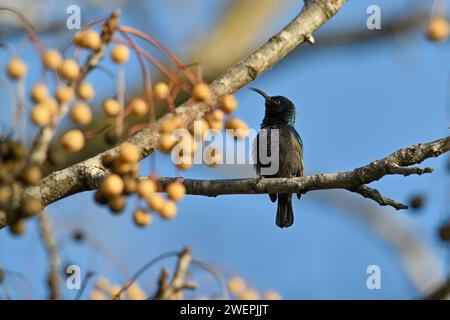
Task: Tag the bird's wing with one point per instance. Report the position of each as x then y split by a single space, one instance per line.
298 149
299 139
255 154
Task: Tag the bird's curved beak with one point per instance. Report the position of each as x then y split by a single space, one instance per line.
265 95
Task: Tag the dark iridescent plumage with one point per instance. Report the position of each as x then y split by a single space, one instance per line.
280 114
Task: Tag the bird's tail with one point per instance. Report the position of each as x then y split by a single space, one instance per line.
285 214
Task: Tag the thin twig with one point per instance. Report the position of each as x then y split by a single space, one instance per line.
51 247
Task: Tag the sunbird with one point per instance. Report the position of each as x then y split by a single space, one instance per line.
280 114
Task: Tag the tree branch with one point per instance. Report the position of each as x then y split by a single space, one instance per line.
72 180
168 290
84 175
353 180
51 247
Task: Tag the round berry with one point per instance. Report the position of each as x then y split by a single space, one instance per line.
64 94
176 191
166 142
168 210
438 29
228 103
120 54
142 218
72 140
111 107
161 91
52 59
85 91
112 185
69 70
90 39
138 107
16 69
240 128
146 188
81 114
236 285
201 92
129 153
40 115
272 295
155 202
39 92
218 115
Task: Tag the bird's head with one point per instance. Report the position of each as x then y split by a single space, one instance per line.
278 107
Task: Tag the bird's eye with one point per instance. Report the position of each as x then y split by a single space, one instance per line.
277 101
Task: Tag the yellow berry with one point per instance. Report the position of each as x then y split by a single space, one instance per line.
102 284
272 295
112 185
168 125
179 122
32 175
81 114
218 115
130 185
40 115
122 167
166 142
185 163
85 91
120 54
39 92
138 107
52 59
236 285
64 94
213 158
250 294
438 29
16 69
77 38
199 129
146 188
201 92
51 105
228 103
90 39
136 293
216 125
114 291
155 202
69 69
142 218
168 210
18 227
72 140
176 191
129 153
161 91
97 295
117 203
30 207
240 127
187 145
111 107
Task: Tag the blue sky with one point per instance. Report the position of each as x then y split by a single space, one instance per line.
355 103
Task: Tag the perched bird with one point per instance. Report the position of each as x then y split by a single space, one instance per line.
280 114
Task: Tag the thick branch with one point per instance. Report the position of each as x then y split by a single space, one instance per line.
353 180
87 176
